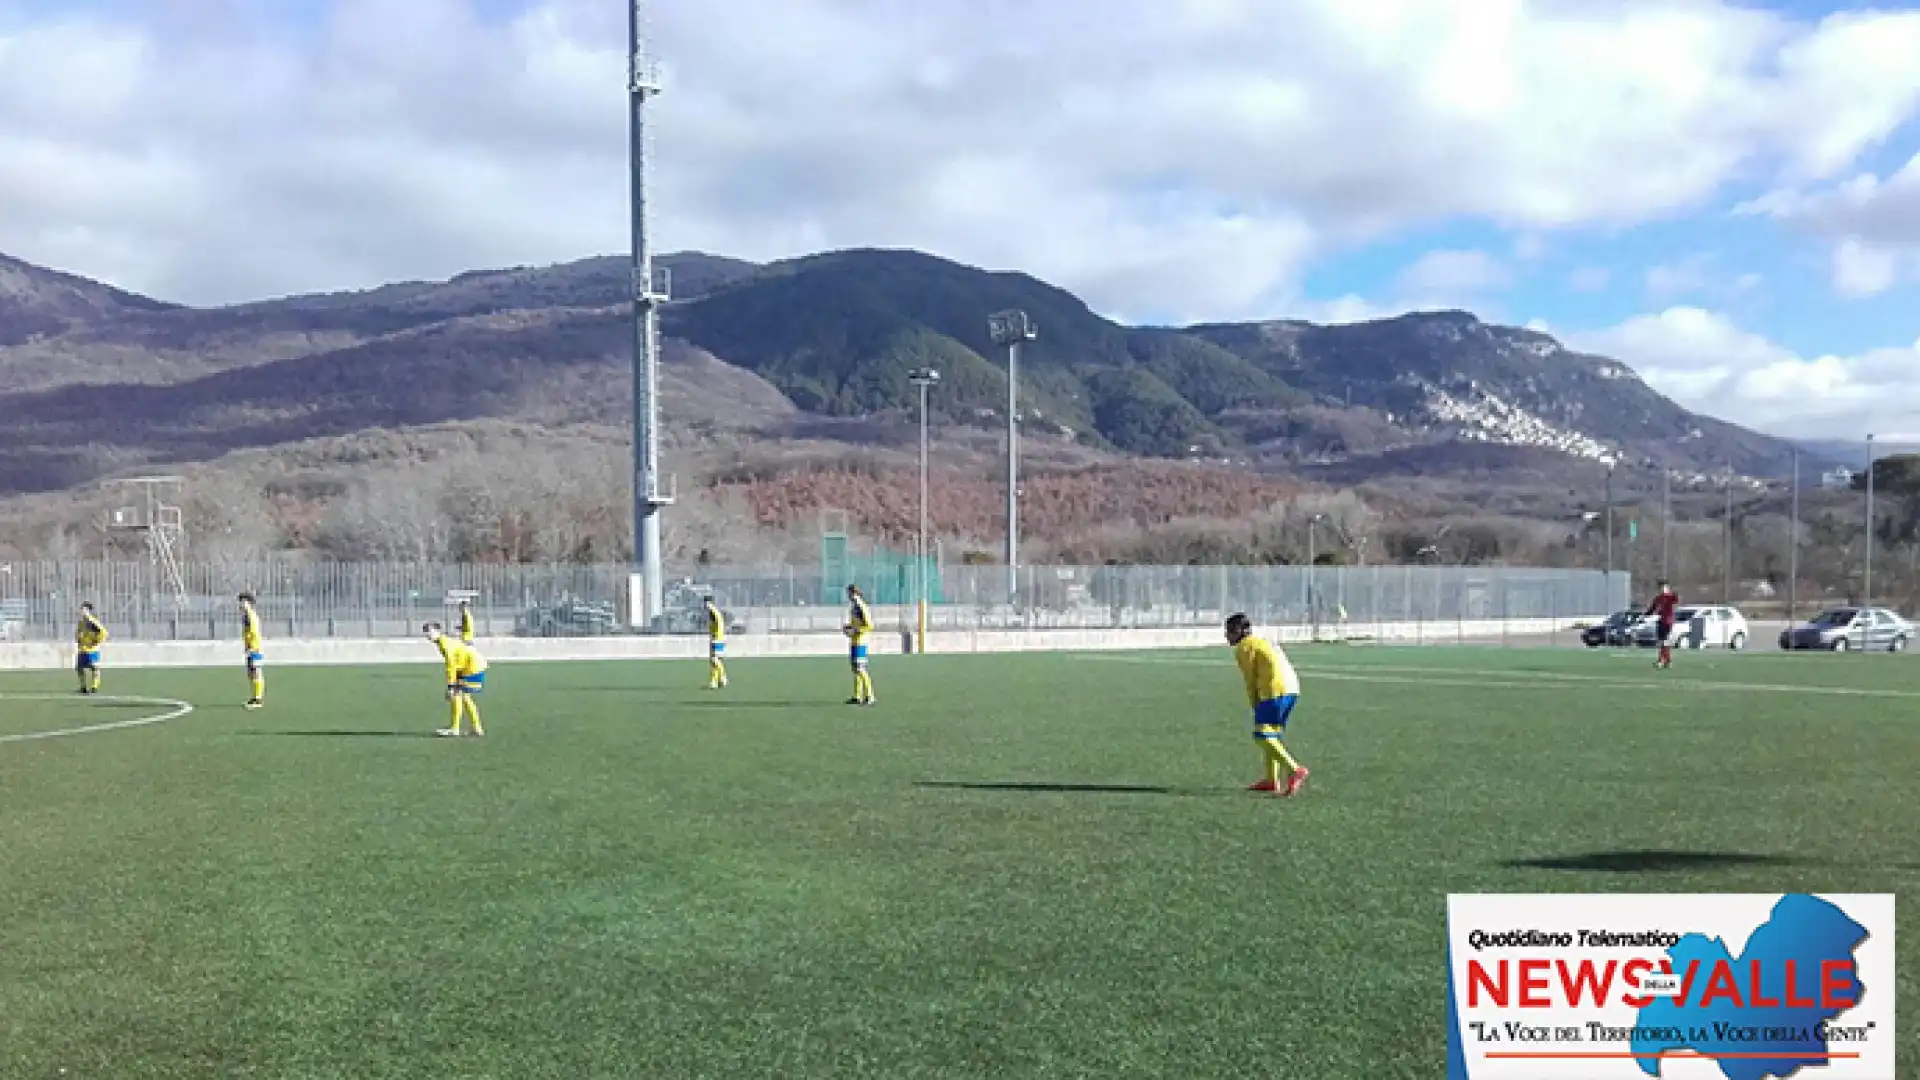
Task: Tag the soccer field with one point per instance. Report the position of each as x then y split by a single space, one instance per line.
1014 866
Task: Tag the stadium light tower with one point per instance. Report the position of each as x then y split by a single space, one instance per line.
1866 583
646 591
1012 329
925 379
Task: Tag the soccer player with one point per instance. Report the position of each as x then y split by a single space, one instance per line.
466 678
88 636
466 622
256 660
716 646
859 629
1273 690
1662 611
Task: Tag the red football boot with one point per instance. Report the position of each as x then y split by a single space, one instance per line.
1294 782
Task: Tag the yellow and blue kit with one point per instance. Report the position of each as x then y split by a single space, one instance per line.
859 634
716 647
466 678
1273 689
88 636
256 660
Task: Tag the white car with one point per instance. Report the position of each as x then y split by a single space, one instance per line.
1701 628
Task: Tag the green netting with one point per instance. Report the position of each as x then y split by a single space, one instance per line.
886 577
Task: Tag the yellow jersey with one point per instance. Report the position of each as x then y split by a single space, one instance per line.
716 624
463 661
250 629
90 634
859 621
1266 669
466 624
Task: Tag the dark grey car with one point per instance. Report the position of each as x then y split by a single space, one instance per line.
1847 628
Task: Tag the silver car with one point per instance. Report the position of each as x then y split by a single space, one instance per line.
1845 628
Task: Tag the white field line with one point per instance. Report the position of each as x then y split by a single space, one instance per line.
1527 680
174 711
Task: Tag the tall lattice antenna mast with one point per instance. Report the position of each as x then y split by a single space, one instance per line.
163 524
648 593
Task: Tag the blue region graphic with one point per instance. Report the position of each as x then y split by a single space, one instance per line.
1783 1033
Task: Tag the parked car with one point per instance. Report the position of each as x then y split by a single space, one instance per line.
1841 629
567 617
1699 628
1617 629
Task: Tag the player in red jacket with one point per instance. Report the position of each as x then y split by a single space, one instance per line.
1662 611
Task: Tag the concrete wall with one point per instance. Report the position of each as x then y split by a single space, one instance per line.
40 655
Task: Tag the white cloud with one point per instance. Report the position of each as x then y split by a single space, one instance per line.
1688 275
1707 362
1862 269
1873 224
1189 159
1454 274
1590 279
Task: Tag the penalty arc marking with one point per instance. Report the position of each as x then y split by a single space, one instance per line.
174 711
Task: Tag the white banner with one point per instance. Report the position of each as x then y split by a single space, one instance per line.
1675 987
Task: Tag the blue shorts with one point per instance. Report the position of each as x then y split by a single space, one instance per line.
87 661
1270 716
858 656
472 684
715 648
254 660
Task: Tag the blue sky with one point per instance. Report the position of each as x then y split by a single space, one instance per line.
1725 195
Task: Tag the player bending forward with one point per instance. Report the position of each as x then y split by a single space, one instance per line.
1662 611
466 678
1273 690
88 636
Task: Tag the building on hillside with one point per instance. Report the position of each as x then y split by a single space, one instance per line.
1837 479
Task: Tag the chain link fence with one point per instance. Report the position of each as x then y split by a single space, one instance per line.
39 600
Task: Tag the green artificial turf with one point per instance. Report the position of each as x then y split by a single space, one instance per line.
1014 866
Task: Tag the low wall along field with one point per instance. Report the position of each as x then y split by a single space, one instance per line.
48 655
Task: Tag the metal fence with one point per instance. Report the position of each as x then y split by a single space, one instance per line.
39 601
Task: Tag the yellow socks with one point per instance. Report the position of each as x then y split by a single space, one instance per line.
259 687
716 674
455 710
1280 763
473 714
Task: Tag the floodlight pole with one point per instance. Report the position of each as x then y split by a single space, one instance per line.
1313 560
1666 519
1726 546
1606 576
925 379
1013 329
646 596
1866 583
1793 541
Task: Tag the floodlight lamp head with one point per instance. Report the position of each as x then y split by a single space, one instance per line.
925 377
1011 327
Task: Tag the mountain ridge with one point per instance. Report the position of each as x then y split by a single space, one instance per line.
834 334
